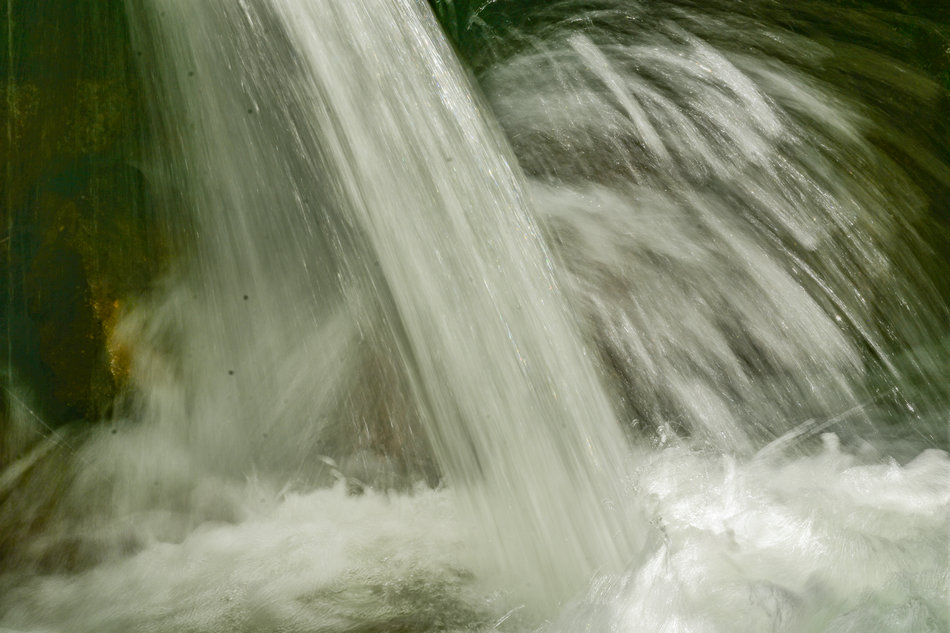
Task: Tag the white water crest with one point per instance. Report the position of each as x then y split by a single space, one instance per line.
629 330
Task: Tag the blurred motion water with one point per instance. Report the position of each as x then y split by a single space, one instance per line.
634 328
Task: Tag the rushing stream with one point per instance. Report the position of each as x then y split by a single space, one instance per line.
628 323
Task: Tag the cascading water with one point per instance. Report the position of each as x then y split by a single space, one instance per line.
455 279
564 369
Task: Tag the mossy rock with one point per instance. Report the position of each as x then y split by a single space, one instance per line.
87 245
79 239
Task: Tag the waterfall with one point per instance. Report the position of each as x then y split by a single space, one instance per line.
627 324
361 188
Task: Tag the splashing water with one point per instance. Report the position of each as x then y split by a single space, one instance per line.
556 358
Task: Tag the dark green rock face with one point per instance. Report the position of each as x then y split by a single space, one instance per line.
78 238
83 253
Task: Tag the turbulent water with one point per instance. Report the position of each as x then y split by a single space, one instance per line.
630 327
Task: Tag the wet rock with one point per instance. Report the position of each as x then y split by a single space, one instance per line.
78 239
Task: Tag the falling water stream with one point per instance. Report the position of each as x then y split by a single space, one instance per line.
632 331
